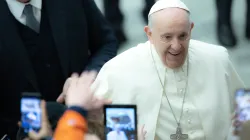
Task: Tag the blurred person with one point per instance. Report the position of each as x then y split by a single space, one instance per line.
54 111
182 87
114 15
46 131
72 125
42 42
225 33
80 99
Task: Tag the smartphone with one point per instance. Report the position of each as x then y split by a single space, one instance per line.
120 122
242 100
31 112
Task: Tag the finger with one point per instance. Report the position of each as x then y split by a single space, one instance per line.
93 75
61 99
107 101
19 124
142 130
66 85
83 74
45 121
95 85
73 81
88 78
34 136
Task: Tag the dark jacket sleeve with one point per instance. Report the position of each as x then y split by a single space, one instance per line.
102 42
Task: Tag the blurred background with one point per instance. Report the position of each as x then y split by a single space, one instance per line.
203 13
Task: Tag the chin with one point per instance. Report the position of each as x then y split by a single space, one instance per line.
24 1
174 63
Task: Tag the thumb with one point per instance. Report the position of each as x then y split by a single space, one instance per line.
34 135
107 101
60 99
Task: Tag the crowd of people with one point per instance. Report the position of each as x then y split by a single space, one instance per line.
67 52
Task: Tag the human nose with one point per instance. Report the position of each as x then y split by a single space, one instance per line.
176 44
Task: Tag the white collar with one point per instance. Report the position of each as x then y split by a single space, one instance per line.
18 7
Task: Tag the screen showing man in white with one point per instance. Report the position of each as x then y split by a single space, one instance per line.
183 88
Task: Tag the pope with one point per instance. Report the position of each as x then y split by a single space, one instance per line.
183 88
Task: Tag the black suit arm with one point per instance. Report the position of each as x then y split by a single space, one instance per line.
102 42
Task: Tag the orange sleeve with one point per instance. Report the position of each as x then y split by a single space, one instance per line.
71 126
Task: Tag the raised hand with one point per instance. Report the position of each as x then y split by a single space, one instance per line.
79 92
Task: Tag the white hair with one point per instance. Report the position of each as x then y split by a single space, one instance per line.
150 24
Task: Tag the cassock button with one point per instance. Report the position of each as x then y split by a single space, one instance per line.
180 91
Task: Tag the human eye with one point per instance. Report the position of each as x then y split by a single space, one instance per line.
167 38
183 36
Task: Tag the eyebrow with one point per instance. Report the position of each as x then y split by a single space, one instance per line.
166 34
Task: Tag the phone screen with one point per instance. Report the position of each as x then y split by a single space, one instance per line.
120 122
30 113
242 97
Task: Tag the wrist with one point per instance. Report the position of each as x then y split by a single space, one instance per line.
79 109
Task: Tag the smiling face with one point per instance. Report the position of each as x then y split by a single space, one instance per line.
170 34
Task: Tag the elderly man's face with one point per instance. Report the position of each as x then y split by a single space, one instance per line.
170 34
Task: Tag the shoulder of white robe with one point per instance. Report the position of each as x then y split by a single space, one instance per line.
100 86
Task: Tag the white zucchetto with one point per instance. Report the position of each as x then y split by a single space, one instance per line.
163 4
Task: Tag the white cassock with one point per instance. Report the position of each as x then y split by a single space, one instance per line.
114 135
131 78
